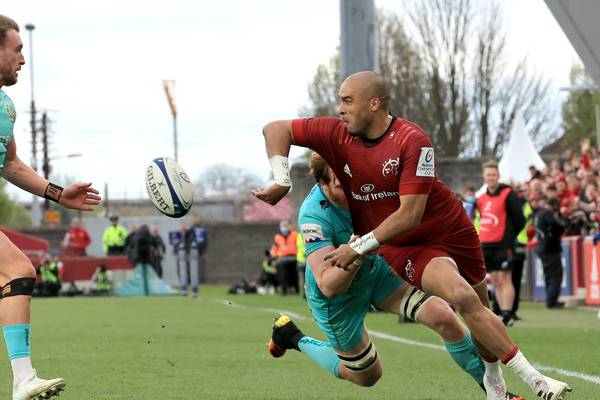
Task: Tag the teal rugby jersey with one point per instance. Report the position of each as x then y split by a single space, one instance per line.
322 223
7 124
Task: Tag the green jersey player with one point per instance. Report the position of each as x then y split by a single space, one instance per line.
17 274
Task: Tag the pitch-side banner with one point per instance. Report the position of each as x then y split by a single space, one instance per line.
592 272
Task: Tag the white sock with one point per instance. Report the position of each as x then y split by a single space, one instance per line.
21 368
492 369
520 366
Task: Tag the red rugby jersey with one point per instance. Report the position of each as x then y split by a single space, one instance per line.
374 175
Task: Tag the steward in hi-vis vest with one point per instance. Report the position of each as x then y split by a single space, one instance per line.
284 250
501 219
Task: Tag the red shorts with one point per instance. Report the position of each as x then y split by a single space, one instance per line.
462 246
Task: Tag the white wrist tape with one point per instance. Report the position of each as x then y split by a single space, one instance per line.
365 243
281 170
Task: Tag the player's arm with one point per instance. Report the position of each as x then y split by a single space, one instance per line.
418 173
408 216
331 281
20 174
77 196
278 141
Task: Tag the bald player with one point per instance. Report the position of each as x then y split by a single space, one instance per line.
401 210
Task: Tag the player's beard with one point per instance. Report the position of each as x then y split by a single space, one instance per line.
8 79
358 131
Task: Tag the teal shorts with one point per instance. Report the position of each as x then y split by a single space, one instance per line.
341 319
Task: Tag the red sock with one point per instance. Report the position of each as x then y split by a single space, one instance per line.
509 356
488 359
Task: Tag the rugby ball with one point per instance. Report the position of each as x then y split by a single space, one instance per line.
169 187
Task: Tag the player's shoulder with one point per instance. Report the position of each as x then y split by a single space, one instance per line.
314 206
321 126
334 121
314 221
314 122
407 131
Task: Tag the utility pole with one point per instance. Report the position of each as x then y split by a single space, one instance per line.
169 86
36 215
106 201
46 159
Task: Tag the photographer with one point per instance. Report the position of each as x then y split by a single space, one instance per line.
550 225
101 282
140 247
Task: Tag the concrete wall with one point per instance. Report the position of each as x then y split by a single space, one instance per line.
235 251
302 183
460 174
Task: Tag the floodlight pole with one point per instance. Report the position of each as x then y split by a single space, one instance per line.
169 86
30 28
175 144
36 213
358 36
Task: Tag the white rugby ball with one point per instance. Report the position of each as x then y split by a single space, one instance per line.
169 187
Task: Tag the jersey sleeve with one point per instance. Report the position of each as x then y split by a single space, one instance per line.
316 232
418 166
318 134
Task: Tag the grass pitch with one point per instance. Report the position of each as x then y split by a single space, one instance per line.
215 348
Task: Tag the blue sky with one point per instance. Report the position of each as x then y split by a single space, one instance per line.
237 64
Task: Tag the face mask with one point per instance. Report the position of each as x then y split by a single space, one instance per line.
284 231
471 199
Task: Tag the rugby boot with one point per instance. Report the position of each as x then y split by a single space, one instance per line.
547 388
510 396
34 388
285 336
495 387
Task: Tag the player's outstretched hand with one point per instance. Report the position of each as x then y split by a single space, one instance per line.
79 196
342 257
272 194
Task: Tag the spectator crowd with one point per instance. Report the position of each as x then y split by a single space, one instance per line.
562 199
572 180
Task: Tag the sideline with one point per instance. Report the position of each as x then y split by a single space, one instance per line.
574 374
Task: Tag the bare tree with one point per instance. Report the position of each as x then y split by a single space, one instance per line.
500 92
323 90
443 28
402 67
578 109
487 67
226 180
446 68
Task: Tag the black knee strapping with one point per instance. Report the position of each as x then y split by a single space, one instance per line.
18 287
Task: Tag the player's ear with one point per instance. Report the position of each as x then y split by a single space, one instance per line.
332 177
375 104
334 180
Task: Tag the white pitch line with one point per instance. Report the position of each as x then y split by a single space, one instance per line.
566 372
574 374
271 310
393 338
